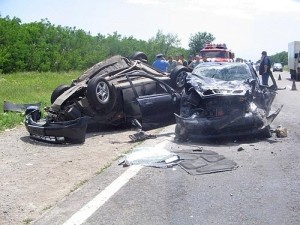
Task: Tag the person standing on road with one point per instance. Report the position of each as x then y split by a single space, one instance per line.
178 61
184 62
160 63
265 68
172 64
195 62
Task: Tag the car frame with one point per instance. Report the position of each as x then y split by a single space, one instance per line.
214 108
117 91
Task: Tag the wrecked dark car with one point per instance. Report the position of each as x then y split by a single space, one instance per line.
222 100
117 91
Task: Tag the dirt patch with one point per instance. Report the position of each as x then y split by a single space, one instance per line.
35 176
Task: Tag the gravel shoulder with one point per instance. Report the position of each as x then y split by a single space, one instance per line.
35 176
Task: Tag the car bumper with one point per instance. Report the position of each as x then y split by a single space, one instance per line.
221 127
57 132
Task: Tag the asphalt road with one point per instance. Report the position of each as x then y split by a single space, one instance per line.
263 189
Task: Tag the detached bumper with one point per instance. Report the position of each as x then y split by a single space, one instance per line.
59 132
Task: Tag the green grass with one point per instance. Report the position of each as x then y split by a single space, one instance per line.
78 186
29 87
27 220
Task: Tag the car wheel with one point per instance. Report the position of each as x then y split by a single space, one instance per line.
101 94
58 91
139 56
178 76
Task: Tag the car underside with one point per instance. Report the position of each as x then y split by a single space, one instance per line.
113 92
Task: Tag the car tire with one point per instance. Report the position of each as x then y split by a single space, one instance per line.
139 56
58 91
178 76
101 94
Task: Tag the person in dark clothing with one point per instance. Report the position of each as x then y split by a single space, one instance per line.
184 62
191 59
265 68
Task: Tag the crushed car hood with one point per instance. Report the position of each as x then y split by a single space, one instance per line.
209 87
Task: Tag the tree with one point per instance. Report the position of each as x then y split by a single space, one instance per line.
281 57
42 46
163 43
198 40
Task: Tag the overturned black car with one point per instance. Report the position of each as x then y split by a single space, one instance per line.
115 92
223 100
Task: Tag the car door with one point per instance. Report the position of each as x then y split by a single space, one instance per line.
158 110
156 100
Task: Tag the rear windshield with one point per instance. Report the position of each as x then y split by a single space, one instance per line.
227 72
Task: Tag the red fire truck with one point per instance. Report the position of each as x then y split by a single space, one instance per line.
216 53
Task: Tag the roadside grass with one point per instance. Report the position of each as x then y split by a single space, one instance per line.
47 207
103 168
27 220
27 88
81 183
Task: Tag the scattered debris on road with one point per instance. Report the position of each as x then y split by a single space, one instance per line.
197 162
141 136
281 132
193 161
150 156
240 149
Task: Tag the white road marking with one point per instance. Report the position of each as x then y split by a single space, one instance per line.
86 211
92 206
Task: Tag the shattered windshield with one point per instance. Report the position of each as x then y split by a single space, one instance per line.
226 72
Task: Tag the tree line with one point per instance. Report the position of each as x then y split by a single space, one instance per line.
42 46
281 57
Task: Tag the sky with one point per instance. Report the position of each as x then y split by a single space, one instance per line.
247 26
